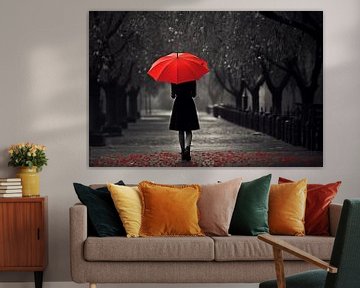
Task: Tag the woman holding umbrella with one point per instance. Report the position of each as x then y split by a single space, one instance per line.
181 70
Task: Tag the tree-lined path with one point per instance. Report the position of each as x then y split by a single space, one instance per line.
218 143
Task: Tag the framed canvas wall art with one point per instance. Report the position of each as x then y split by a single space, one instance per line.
205 88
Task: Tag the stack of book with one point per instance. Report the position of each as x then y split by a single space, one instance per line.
10 187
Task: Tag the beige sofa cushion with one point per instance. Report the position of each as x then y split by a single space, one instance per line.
149 249
243 248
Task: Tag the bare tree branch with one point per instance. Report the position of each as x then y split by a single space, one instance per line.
115 27
292 23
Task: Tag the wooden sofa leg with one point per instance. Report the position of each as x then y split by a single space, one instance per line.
92 285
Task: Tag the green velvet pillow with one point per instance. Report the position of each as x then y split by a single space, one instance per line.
103 218
250 216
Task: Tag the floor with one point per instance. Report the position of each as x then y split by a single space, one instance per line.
74 285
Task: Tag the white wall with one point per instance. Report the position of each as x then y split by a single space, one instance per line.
44 99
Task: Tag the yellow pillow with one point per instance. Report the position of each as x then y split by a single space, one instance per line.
127 201
287 204
169 210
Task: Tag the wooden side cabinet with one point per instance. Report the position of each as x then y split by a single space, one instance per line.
23 235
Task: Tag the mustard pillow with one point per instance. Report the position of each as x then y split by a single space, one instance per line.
169 210
127 201
287 204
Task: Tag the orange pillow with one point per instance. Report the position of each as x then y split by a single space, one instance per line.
287 204
318 200
169 210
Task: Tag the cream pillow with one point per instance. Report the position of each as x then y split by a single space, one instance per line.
127 201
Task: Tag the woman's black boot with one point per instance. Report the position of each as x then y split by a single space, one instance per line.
187 155
183 154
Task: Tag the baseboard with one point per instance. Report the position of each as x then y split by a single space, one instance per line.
74 285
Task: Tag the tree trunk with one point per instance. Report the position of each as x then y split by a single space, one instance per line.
254 91
112 118
239 103
308 90
94 106
255 99
133 105
276 91
237 92
122 107
277 101
96 121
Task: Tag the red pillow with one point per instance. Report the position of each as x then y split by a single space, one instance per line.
319 197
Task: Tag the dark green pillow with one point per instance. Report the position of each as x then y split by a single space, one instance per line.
103 218
250 216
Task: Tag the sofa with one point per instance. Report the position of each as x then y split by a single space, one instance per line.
233 259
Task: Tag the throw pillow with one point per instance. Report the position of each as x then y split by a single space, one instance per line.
287 204
216 206
102 215
319 197
127 201
169 210
250 215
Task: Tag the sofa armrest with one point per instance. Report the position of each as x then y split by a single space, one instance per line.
334 217
78 235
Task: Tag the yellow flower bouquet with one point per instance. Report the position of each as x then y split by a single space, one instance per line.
27 155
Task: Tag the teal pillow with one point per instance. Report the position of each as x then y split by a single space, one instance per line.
103 218
250 216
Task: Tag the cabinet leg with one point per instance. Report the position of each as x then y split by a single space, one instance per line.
38 279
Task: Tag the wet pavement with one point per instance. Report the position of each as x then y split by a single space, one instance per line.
149 142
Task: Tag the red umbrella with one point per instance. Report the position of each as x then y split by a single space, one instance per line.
178 68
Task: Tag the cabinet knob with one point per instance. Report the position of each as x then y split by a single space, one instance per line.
38 234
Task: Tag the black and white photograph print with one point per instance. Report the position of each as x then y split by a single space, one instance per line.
205 88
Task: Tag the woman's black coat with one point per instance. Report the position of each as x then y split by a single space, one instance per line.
184 116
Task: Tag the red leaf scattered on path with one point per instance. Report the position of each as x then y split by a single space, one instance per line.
210 159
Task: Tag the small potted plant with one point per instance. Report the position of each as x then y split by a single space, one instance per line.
30 158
